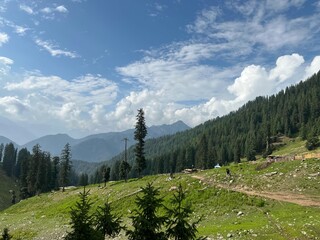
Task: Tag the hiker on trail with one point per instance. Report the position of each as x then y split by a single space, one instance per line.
228 173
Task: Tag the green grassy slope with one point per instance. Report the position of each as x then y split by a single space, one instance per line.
6 184
225 210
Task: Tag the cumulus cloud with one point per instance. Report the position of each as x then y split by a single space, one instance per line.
4 38
163 105
78 103
286 66
258 81
54 50
313 68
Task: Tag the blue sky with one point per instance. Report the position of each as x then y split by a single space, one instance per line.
85 66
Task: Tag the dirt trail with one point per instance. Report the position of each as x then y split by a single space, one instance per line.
299 199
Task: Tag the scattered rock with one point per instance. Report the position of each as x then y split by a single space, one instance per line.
271 174
229 235
240 214
314 174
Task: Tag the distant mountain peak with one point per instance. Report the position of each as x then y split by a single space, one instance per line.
102 146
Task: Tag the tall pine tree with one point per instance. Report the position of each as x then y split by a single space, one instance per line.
65 166
139 135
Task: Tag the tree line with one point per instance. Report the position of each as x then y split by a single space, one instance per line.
36 171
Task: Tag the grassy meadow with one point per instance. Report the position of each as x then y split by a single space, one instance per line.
225 211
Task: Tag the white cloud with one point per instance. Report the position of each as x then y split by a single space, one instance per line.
4 38
84 103
27 9
253 80
205 19
5 65
13 105
61 9
54 50
3 5
163 104
77 104
313 68
176 69
286 67
5 60
46 10
258 81
21 30
258 28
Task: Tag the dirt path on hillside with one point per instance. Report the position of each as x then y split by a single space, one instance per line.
299 199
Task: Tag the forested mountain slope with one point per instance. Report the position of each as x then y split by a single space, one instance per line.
246 132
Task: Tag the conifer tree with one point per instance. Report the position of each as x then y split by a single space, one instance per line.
202 153
65 166
106 174
82 222
139 135
9 159
55 173
22 166
178 226
106 222
124 170
115 171
146 222
33 169
83 179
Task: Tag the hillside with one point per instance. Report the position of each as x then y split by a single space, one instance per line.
6 184
280 200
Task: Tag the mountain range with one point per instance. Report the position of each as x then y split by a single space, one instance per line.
96 147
